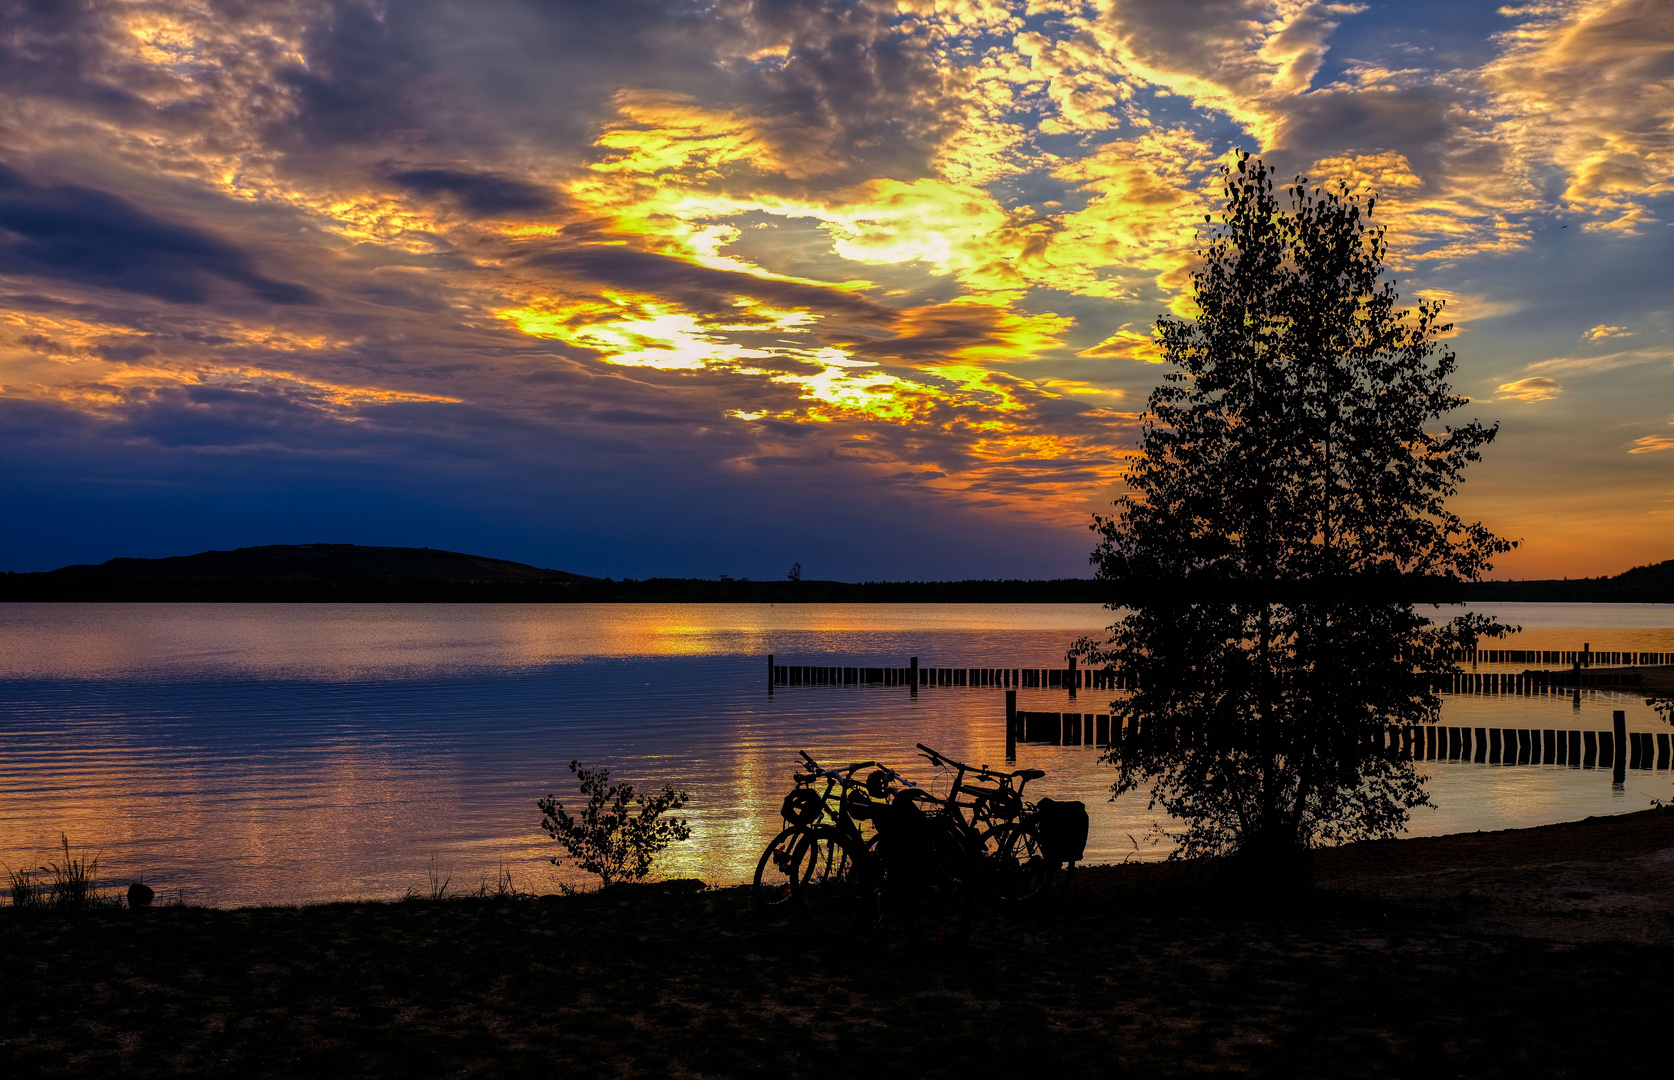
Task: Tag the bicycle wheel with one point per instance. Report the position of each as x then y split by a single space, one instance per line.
775 883
833 885
1015 864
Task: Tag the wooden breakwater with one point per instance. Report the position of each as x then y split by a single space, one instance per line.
1538 682
1073 678
1576 749
915 677
1582 657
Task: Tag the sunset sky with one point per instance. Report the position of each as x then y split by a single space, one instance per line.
639 289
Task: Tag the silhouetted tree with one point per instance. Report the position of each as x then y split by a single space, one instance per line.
1285 513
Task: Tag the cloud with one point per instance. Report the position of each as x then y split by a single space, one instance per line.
838 83
74 233
1241 57
1601 332
1538 388
703 289
840 240
486 193
1464 308
1607 362
1588 86
1128 344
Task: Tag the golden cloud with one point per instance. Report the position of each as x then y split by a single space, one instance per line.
1537 388
1607 362
1127 344
1584 85
1150 194
1650 444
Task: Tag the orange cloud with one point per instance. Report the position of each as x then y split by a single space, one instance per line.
1601 332
1538 388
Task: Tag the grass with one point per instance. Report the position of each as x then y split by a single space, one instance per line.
73 883
438 886
75 880
1139 971
24 892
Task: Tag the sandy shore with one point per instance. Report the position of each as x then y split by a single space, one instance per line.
1532 952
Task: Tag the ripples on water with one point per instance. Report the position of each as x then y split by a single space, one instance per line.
292 753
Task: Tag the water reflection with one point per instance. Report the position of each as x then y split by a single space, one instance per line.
254 753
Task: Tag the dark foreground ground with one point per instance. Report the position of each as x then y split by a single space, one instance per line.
1541 952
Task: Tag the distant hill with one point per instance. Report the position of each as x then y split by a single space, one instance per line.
286 572
348 573
318 562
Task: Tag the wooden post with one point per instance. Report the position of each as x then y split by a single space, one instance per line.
769 674
912 675
1011 726
1073 676
1618 774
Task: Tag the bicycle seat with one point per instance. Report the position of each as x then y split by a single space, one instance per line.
1030 774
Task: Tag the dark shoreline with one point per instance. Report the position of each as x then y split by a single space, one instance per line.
349 573
36 588
1536 952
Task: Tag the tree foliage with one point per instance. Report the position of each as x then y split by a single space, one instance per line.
610 837
1286 510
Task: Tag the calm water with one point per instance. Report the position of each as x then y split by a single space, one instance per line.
291 753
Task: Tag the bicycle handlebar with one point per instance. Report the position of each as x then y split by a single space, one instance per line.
938 758
835 773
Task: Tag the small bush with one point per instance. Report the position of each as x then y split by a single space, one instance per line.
607 838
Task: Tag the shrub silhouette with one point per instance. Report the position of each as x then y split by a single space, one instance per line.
608 837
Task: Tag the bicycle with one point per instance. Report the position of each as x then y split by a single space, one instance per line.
1006 829
804 811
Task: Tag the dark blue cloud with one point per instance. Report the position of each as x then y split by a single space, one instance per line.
511 69
701 288
73 233
484 193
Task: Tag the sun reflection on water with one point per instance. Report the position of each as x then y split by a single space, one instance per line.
273 753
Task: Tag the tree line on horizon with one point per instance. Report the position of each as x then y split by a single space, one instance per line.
1649 584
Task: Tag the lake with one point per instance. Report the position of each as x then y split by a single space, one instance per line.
249 753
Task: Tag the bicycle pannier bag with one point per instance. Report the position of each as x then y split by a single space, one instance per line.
1063 829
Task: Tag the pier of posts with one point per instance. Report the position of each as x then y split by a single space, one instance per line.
1617 749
